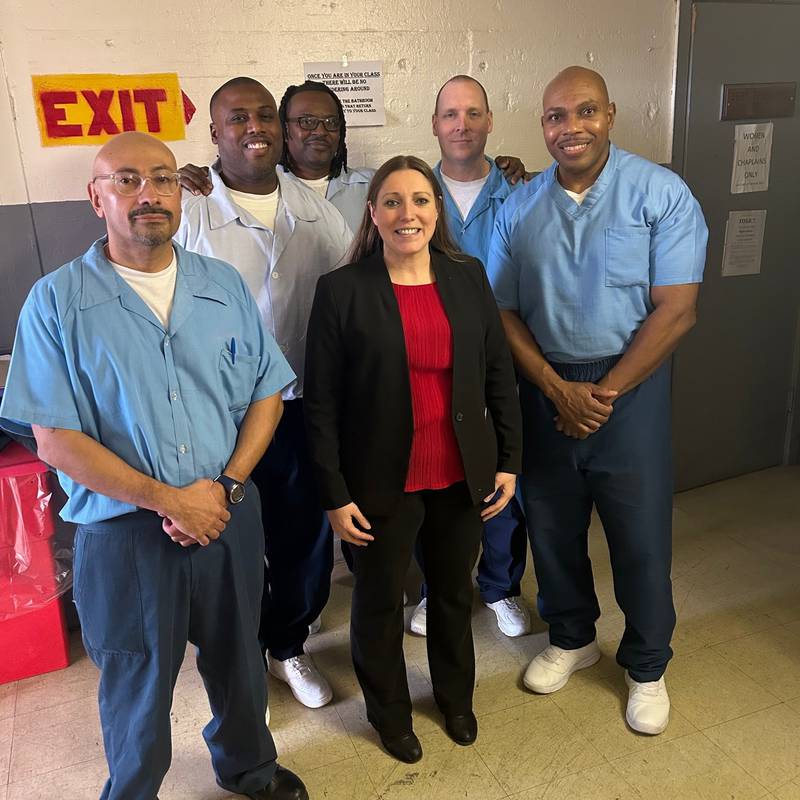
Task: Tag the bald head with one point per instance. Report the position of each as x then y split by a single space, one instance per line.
576 78
126 148
461 79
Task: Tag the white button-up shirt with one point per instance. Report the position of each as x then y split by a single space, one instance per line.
282 266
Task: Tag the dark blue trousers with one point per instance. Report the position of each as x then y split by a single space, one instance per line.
298 543
625 471
504 547
140 597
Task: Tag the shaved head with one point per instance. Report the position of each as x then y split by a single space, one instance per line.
571 76
131 145
461 78
576 120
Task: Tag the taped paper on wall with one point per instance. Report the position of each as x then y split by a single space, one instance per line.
359 86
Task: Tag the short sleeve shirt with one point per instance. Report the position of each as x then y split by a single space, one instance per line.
580 275
90 356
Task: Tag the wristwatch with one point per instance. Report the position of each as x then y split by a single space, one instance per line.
233 489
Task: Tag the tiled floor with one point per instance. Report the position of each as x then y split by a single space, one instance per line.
734 682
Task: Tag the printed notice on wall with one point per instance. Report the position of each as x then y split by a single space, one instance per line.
359 86
752 153
744 241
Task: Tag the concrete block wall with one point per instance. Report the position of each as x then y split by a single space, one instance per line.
513 46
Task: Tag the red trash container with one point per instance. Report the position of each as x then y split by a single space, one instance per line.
33 633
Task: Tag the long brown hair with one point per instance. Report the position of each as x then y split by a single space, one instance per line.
368 240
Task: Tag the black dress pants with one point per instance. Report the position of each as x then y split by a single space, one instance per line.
449 529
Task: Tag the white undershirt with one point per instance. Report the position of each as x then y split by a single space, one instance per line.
319 185
578 197
264 207
157 289
464 192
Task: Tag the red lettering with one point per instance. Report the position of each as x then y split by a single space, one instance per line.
100 104
126 107
54 115
150 98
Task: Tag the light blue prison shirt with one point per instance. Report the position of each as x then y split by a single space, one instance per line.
580 275
91 356
473 234
281 267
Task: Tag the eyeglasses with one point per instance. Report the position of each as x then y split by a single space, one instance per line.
309 123
130 184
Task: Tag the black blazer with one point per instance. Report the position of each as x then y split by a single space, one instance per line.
357 395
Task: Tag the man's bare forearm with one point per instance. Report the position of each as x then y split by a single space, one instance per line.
656 339
255 434
527 355
94 466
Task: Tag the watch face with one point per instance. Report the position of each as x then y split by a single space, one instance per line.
236 494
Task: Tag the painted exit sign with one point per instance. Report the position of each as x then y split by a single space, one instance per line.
90 109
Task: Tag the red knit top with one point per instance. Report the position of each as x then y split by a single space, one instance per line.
435 461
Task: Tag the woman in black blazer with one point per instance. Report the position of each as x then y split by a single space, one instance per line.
414 430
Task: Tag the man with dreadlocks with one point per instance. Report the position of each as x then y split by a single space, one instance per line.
281 237
315 150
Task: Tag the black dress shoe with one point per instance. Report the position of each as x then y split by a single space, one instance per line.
285 785
462 728
405 747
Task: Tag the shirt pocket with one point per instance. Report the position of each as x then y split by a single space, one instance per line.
628 256
238 376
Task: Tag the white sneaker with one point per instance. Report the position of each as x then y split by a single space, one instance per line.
552 668
648 705
315 626
419 619
307 683
513 618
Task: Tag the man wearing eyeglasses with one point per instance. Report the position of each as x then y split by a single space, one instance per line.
150 384
281 238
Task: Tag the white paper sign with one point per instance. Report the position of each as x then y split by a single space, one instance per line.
744 241
752 153
359 86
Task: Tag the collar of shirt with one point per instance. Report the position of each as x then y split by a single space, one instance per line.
222 210
100 282
495 188
595 192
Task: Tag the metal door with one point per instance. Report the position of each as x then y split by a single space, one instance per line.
733 375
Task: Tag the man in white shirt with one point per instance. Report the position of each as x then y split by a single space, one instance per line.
281 237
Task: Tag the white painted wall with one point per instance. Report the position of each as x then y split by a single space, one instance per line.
513 46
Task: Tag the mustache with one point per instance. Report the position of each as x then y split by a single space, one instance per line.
138 212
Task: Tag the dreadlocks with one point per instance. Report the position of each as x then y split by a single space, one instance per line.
339 161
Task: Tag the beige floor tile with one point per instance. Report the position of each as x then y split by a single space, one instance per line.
789 791
446 771
191 776
690 768
771 658
76 682
533 744
6 735
54 738
426 716
3 792
345 780
8 699
766 744
597 783
708 690
598 712
82 781
309 737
